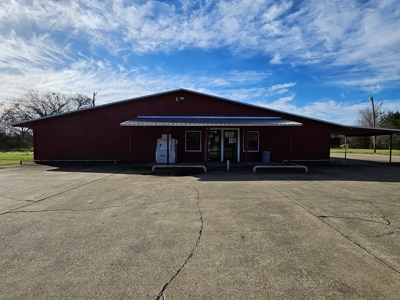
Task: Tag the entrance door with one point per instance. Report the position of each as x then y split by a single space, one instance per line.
230 145
214 145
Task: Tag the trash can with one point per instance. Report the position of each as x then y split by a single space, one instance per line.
265 156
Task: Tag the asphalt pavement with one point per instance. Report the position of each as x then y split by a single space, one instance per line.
112 232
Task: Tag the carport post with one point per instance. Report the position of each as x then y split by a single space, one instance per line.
390 148
345 147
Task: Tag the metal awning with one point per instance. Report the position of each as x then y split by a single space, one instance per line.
208 121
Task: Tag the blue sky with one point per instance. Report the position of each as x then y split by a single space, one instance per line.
318 58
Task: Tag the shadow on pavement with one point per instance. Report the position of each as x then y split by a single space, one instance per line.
354 170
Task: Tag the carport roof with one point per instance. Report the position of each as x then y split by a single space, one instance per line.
208 121
362 131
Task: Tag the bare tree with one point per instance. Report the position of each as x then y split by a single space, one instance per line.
366 118
80 101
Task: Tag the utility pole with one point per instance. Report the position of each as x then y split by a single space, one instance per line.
373 120
94 98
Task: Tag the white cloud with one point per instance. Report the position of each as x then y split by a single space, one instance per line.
345 33
19 55
283 100
276 60
112 81
278 89
281 86
41 44
327 110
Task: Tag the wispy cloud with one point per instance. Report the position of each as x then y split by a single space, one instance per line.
114 82
276 60
19 55
278 89
86 46
343 33
326 109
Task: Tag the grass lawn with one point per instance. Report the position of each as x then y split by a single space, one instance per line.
367 151
14 157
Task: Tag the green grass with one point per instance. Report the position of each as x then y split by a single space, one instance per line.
367 151
14 157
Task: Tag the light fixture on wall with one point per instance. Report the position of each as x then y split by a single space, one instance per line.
180 98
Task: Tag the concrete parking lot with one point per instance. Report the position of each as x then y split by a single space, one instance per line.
111 232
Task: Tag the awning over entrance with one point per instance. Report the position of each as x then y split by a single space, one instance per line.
208 121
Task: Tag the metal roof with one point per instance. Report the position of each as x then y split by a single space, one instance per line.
208 121
28 122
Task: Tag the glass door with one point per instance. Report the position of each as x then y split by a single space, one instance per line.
230 145
214 145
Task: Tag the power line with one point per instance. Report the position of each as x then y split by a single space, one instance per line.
374 61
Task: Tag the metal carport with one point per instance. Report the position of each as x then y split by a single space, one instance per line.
364 131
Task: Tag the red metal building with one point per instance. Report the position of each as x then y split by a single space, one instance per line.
207 128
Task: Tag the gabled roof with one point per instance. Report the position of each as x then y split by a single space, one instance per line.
21 124
336 128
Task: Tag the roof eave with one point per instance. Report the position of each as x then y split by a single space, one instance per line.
213 125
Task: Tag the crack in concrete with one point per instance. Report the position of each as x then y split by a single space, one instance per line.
358 200
93 208
384 234
59 193
338 231
383 214
342 199
86 209
351 218
359 245
161 295
65 209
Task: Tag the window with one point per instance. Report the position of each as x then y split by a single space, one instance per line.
253 141
193 141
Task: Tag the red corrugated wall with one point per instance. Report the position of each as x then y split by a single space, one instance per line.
95 134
